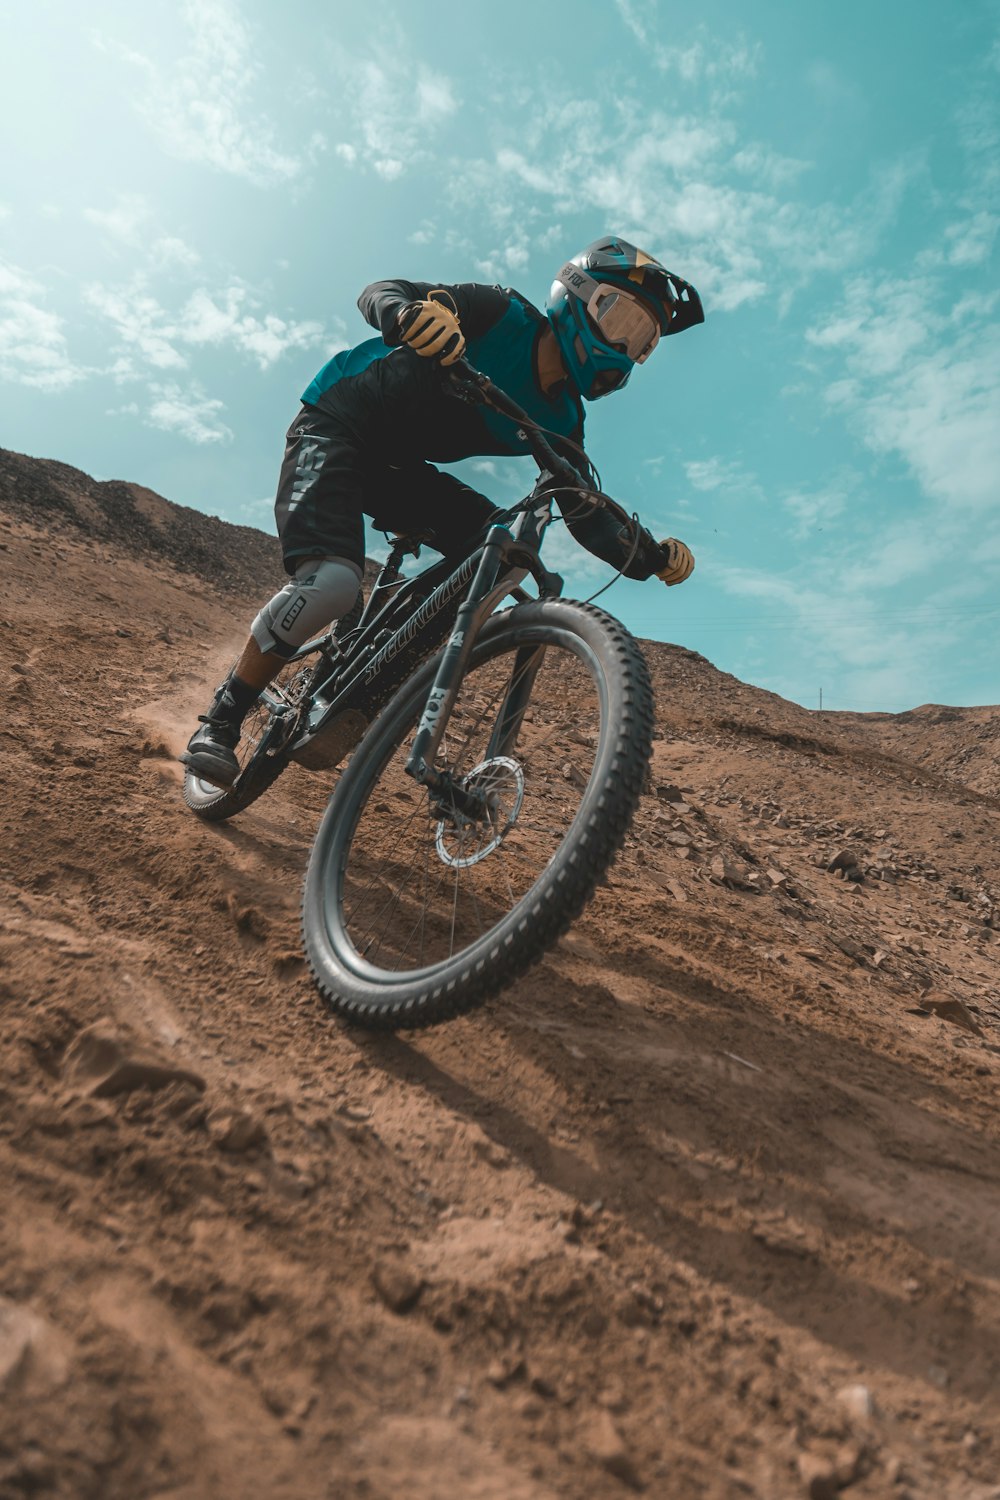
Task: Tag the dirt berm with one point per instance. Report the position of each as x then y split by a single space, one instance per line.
707 1206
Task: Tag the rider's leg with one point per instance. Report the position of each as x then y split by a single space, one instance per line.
318 511
322 590
418 497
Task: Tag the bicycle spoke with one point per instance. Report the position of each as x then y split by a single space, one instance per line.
433 880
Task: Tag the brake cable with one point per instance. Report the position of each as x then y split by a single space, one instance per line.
634 518
482 388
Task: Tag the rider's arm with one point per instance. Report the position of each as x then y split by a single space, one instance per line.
634 550
478 307
606 537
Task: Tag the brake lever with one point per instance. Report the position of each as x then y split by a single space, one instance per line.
468 383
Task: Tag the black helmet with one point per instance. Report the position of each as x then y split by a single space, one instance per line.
608 307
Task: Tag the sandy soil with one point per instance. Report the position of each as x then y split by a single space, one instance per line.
708 1205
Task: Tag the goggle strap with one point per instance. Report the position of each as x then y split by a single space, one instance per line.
577 281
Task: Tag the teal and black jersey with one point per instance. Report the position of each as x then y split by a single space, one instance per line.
382 386
383 406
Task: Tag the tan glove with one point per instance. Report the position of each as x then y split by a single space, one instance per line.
680 562
431 328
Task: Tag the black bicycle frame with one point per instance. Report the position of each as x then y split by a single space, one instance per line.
480 602
397 632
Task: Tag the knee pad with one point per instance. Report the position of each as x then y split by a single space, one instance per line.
322 590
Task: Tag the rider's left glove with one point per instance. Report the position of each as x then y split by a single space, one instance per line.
431 328
678 564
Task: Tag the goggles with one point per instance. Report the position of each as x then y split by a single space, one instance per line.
623 322
618 318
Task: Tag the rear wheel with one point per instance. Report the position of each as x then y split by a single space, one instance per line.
260 751
418 906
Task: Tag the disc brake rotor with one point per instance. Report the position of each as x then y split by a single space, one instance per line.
462 841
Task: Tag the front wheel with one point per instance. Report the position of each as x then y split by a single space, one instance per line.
419 906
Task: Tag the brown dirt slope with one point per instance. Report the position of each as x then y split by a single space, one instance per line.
65 502
708 1205
960 743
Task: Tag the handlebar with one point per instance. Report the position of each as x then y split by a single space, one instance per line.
484 390
479 387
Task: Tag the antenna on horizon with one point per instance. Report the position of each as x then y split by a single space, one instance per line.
821 700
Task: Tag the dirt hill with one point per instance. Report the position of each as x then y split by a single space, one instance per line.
707 1206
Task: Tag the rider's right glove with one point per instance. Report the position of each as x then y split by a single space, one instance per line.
431 328
678 564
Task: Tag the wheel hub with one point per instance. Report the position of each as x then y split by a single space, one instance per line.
498 786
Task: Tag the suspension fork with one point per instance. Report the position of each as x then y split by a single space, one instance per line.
508 725
485 593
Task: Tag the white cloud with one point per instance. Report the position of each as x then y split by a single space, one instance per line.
256 513
979 132
189 413
877 612
865 646
140 323
171 253
717 474
124 220
161 338
709 473
913 361
203 109
128 221
395 115
388 167
499 262
813 509
971 240
766 167
704 57
921 381
33 347
435 97
208 320
692 188
504 480
562 553
890 323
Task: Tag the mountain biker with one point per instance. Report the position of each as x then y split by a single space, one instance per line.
375 415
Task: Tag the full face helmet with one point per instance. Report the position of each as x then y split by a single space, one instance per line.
608 307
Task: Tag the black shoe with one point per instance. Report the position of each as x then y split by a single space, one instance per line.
210 753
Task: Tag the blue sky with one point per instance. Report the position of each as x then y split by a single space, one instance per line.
192 196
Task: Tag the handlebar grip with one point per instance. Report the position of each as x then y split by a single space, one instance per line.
461 368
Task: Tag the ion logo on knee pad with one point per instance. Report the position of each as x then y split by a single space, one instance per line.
292 614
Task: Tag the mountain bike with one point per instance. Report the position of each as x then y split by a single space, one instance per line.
498 759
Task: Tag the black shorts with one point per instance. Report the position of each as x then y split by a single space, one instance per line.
328 485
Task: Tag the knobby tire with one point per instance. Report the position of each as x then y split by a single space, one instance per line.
414 853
